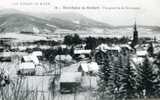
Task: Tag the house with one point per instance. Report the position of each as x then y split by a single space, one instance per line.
69 82
81 53
104 51
26 68
125 48
88 68
30 58
111 50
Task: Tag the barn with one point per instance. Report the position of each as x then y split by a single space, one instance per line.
70 81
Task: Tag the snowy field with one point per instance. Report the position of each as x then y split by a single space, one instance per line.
22 37
124 32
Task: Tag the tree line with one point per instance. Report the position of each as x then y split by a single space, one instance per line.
93 42
119 80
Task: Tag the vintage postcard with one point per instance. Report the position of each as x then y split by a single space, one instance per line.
80 50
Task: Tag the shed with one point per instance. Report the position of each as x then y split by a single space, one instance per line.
70 81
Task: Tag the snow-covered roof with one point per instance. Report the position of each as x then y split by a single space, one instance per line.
138 60
35 59
27 58
141 53
127 46
70 77
27 65
63 46
31 58
37 53
84 67
82 51
105 47
92 66
6 54
63 58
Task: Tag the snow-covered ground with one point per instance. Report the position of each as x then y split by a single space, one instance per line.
22 37
42 83
89 84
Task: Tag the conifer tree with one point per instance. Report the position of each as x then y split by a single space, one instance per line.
150 49
147 82
104 73
128 81
114 82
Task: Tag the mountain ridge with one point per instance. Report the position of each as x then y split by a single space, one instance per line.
17 21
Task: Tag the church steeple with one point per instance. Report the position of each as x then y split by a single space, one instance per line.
135 26
135 35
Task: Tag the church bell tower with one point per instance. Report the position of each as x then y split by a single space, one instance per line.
135 36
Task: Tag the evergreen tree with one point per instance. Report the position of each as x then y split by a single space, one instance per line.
68 40
72 40
114 82
128 85
99 57
150 49
103 74
76 39
91 43
146 80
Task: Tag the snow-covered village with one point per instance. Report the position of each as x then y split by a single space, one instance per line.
69 56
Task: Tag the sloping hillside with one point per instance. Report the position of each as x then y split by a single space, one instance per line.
20 22
80 20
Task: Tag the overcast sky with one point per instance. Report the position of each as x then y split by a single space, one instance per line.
146 12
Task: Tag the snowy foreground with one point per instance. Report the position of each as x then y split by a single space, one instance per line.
41 84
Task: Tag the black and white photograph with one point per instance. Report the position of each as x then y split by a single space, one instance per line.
80 50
